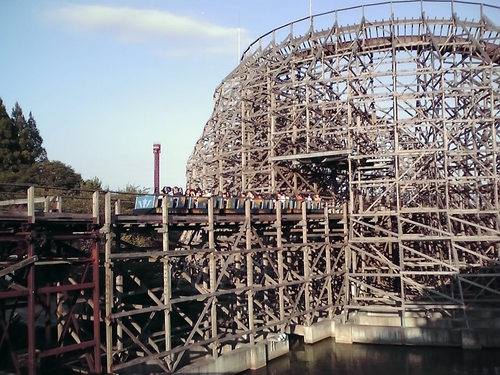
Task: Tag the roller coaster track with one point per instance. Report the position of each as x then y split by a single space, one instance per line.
400 118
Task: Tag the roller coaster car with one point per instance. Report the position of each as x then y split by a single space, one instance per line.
146 205
152 204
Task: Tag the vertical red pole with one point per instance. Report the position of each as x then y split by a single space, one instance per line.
48 324
156 152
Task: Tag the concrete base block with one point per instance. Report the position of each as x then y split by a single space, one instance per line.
319 331
386 320
417 336
206 366
471 340
277 348
343 333
377 334
489 338
431 336
258 357
238 360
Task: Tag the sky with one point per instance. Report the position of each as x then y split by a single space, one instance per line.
105 79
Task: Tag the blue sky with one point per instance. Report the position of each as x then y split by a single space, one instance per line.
107 79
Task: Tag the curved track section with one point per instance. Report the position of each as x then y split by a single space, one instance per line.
400 118
295 110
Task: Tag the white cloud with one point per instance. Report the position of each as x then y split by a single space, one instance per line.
145 25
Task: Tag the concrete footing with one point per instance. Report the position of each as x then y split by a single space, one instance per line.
318 331
238 360
364 329
432 331
386 329
421 336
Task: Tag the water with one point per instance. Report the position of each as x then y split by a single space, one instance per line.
328 357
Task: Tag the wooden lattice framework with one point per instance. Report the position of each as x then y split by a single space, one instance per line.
203 284
400 118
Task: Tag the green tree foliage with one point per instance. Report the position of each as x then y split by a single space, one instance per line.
10 148
52 174
30 140
33 141
19 122
23 159
93 184
80 200
134 189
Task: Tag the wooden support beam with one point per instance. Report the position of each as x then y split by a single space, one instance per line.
109 283
23 263
167 283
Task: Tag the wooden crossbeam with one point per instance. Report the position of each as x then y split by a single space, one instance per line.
18 265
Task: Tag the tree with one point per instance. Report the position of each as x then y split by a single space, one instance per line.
19 122
93 184
9 144
33 140
52 174
30 140
134 189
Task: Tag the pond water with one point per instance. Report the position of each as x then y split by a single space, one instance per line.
328 357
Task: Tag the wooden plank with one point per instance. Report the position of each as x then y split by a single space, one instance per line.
17 266
23 201
338 154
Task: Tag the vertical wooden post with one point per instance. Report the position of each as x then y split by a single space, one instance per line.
307 270
348 233
95 207
239 299
281 273
118 282
272 130
32 360
167 282
248 237
108 283
328 259
213 273
31 205
59 203
95 280
243 154
46 204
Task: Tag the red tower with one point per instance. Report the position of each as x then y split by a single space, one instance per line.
156 153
